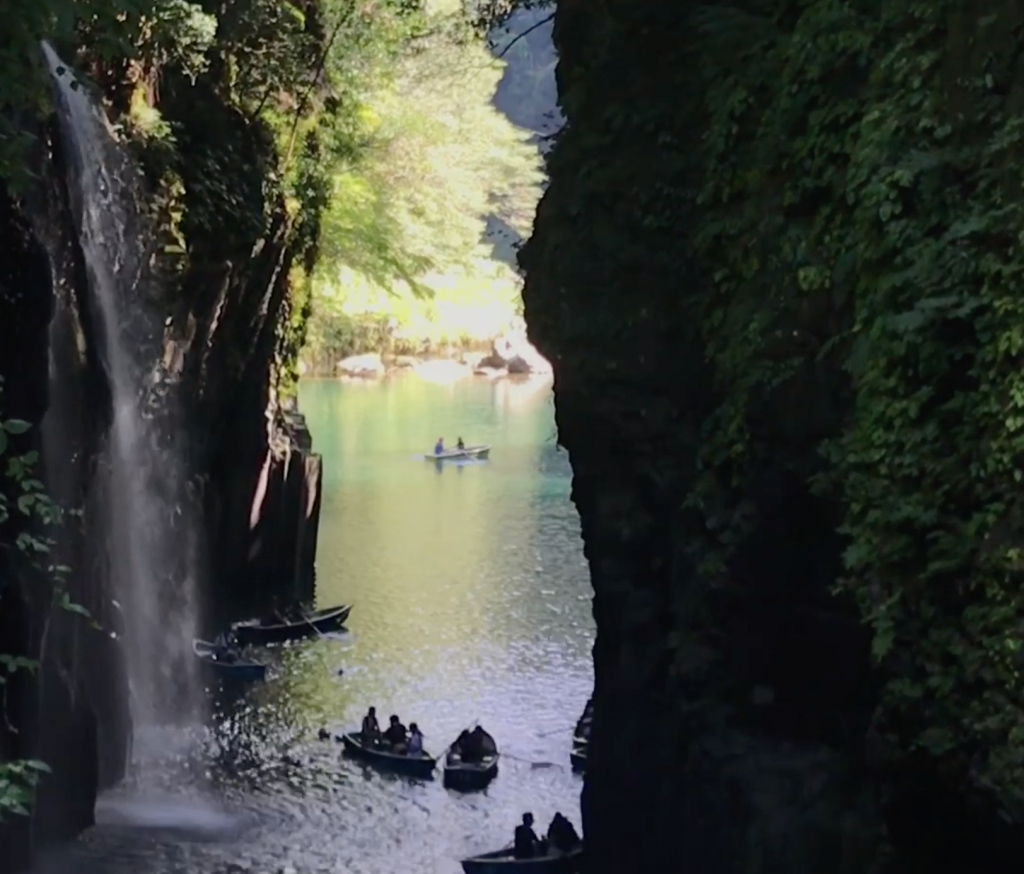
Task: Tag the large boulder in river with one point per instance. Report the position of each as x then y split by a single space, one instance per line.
517 365
369 366
493 361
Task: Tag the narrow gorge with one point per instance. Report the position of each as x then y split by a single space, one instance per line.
776 273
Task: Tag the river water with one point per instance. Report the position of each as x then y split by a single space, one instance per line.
472 602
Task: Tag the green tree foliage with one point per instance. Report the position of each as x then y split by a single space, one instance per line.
23 497
861 213
411 215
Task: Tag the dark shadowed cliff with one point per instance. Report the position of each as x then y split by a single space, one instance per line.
776 273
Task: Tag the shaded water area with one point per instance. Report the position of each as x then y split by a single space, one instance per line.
472 601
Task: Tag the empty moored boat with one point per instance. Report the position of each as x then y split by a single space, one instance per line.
504 862
421 766
261 632
227 664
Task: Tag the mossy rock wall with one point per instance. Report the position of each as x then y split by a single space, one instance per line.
777 272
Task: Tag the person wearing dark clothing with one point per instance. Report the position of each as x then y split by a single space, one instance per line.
562 835
527 844
371 728
460 444
477 745
396 733
455 751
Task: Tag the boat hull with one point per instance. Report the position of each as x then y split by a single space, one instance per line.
464 777
578 757
469 452
321 622
502 862
242 670
421 768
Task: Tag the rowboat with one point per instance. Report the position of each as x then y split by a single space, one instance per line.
480 452
469 776
243 669
578 755
260 632
504 862
421 766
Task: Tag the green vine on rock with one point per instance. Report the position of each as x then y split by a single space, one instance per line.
23 495
861 215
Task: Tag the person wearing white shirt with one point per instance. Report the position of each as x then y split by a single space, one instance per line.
415 747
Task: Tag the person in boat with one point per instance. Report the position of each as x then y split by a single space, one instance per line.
370 732
460 444
415 745
439 446
562 834
396 734
455 751
477 746
223 651
526 844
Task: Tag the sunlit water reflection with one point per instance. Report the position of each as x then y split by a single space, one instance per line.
471 602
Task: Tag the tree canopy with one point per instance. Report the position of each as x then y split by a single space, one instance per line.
433 206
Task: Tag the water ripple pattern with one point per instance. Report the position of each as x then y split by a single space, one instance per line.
472 601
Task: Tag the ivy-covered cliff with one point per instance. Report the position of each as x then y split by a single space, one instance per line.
792 229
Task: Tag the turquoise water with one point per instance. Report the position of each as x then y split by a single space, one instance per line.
472 602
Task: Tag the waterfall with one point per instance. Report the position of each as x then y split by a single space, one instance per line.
138 488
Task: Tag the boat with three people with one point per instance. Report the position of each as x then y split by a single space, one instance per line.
421 766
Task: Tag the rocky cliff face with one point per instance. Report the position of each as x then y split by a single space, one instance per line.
740 724
256 479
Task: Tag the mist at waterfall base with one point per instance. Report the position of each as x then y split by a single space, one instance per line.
137 494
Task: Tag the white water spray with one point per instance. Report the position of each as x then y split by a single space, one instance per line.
150 546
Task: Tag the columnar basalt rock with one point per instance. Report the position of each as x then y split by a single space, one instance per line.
256 478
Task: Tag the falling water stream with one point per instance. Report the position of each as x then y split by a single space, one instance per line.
471 594
149 544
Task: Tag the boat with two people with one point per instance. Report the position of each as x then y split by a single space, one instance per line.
461 452
397 749
282 626
471 762
559 852
225 662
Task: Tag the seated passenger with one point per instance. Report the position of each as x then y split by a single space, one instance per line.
415 747
562 835
456 750
527 844
460 444
370 731
439 446
396 734
478 745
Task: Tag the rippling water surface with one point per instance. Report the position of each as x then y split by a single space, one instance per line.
472 602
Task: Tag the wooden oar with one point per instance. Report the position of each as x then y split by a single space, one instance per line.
309 622
556 731
532 763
